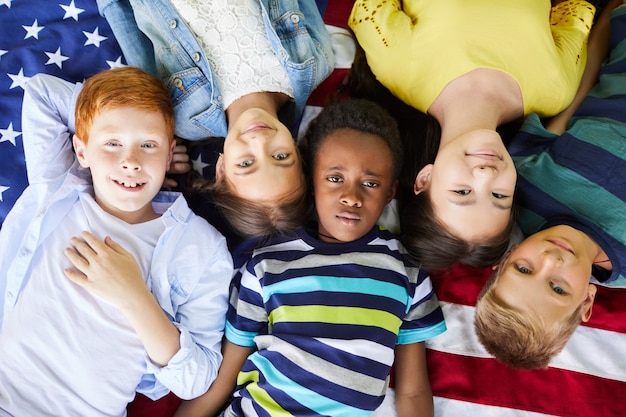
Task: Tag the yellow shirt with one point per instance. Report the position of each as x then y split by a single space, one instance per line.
416 51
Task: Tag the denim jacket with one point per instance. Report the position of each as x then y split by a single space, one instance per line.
153 36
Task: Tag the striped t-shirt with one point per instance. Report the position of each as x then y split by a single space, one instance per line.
325 318
579 178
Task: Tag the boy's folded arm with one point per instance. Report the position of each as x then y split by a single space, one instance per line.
204 269
221 389
47 126
413 393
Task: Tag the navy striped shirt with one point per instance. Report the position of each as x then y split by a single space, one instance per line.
579 178
325 318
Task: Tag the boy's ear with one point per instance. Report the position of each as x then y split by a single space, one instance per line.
588 303
422 180
170 157
219 168
79 149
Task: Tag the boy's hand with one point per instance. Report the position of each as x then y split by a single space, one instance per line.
105 269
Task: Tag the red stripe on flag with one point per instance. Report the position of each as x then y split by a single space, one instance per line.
327 88
549 391
337 13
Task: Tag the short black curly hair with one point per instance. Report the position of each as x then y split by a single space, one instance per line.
358 114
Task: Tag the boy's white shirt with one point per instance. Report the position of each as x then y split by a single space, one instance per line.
190 268
97 338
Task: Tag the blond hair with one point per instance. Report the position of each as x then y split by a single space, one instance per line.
521 340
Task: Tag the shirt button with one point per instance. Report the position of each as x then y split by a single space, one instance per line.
173 24
178 82
295 19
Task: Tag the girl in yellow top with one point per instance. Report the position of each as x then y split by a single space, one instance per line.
473 66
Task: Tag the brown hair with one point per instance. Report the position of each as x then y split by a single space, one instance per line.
122 87
425 237
431 245
256 219
521 340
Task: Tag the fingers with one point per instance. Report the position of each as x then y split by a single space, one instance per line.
180 154
170 183
180 159
179 167
76 276
114 245
86 249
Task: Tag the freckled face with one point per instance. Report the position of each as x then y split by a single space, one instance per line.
128 154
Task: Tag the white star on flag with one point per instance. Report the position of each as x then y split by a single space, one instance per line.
3 51
3 189
198 165
8 4
117 63
71 11
94 38
33 30
56 58
19 80
9 134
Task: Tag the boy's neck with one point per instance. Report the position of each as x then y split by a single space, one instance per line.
143 215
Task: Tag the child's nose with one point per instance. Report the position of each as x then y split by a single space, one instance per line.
131 161
352 197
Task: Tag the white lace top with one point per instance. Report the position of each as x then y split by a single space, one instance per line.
234 40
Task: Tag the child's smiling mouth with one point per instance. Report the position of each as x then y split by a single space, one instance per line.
130 184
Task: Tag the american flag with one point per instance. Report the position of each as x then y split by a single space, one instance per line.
68 39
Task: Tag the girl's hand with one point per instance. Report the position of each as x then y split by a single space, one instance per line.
178 165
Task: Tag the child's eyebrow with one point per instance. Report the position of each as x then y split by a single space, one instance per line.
473 201
366 172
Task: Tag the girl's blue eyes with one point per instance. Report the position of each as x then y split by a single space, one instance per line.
279 157
521 268
245 163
